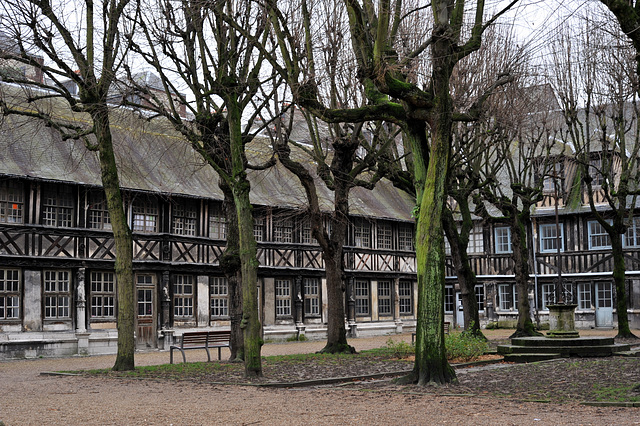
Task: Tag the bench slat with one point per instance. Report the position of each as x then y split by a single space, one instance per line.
202 340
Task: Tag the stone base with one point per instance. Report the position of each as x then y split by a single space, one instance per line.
561 334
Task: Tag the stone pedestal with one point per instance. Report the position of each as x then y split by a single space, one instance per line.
562 322
83 342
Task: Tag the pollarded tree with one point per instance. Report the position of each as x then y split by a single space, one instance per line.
596 69
192 47
344 156
88 52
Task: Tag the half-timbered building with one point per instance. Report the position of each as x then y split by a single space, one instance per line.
57 280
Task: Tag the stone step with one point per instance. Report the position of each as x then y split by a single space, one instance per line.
582 351
546 341
530 357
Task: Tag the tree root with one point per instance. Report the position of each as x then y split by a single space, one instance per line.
338 348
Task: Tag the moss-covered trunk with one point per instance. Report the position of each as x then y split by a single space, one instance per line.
231 265
619 282
250 324
123 241
519 221
466 276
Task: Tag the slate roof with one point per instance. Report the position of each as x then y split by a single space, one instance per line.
153 157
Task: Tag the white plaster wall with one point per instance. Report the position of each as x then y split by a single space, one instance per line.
32 302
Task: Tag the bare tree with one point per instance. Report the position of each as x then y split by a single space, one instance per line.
426 112
599 100
191 46
87 54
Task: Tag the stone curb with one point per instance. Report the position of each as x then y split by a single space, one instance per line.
610 404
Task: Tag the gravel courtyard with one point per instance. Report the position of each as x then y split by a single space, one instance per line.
29 398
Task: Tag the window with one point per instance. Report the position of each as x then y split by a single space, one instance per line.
405 238
384 298
103 295
183 296
217 222
554 175
219 292
503 239
632 236
283 230
57 206
9 294
549 238
385 236
508 297
98 212
258 228
283 298
306 237
57 294
584 296
361 288
361 233
476 240
479 289
11 202
598 237
548 295
448 299
145 216
312 296
185 219
405 293
595 171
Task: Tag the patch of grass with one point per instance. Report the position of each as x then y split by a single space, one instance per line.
400 349
297 338
464 346
622 393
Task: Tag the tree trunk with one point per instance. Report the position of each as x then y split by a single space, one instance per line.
525 325
619 280
336 329
466 276
231 265
123 242
251 326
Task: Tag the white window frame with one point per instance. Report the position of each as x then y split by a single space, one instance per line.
57 294
185 219
219 297
631 238
550 227
385 299
283 230
10 294
103 295
405 238
58 206
283 298
598 238
11 202
548 294
362 233
99 217
183 296
479 290
311 296
502 236
405 296
362 293
145 216
476 240
385 236
508 297
217 222
585 296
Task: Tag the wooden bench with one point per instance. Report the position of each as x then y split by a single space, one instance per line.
446 325
202 340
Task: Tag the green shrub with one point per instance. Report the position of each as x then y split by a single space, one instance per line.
464 346
400 349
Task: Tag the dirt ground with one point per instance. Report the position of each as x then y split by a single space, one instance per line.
29 398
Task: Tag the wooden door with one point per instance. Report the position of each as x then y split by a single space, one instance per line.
146 311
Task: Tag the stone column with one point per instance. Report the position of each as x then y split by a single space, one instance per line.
299 305
351 308
81 301
396 305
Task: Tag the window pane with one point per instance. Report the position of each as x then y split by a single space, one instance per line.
218 290
384 298
362 297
